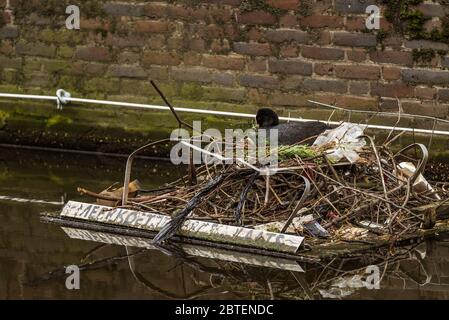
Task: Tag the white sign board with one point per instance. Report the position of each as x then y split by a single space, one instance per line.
209 231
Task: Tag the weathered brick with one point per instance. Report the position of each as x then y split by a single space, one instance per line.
324 38
198 45
161 58
35 49
192 74
426 109
224 62
92 54
358 72
324 69
426 44
6 47
359 88
290 67
55 65
292 83
281 35
259 81
151 26
354 39
356 55
179 12
288 99
288 51
94 24
131 86
39 20
102 85
155 9
92 68
288 21
337 86
322 21
356 23
128 57
322 53
284 4
392 90
256 17
225 94
432 10
5 17
391 73
254 34
15 63
158 73
352 6
65 52
224 79
38 79
443 95
175 43
425 93
445 62
155 41
357 103
9 32
396 57
252 49
395 42
123 9
127 71
257 96
425 76
192 59
125 42
258 65
388 105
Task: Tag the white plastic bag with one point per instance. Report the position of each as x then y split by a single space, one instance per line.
347 142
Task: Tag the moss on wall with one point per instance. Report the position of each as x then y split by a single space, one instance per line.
252 5
410 21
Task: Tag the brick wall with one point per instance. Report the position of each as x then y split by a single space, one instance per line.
255 52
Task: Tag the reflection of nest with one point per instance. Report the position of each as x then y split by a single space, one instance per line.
213 278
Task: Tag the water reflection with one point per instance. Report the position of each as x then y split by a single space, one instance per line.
33 255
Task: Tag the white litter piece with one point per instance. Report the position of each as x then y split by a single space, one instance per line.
346 139
407 170
191 228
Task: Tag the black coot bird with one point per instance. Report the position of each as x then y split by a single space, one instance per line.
291 132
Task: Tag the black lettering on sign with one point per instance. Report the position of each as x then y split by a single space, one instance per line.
148 220
100 214
131 218
139 219
93 212
109 214
119 218
86 211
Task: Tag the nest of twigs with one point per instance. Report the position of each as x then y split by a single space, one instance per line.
350 201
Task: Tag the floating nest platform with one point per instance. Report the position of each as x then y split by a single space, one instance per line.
309 207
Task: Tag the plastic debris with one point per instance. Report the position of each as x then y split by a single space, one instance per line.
407 170
346 140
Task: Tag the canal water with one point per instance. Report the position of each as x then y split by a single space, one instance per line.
34 255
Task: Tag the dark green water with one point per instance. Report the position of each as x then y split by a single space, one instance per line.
33 255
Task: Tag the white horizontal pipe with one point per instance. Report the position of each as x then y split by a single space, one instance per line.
202 111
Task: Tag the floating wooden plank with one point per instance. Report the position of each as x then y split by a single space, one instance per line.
191 250
191 228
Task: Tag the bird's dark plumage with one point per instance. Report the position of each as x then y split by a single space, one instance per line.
290 132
